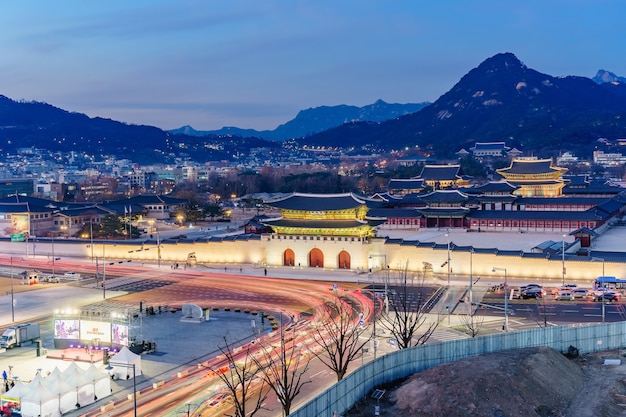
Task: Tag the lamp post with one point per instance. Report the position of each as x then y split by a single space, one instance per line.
104 271
91 236
374 316
471 280
386 279
127 366
506 299
563 259
448 261
602 280
12 295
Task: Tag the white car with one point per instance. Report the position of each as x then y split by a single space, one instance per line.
580 293
564 296
72 275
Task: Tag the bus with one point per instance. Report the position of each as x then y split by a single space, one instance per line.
610 282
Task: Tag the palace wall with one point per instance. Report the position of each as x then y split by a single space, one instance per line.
364 254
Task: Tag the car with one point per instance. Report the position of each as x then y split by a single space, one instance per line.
580 293
532 293
607 296
529 286
564 296
74 275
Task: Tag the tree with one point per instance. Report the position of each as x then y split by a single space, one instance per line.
406 319
283 369
241 377
111 225
472 323
339 335
212 211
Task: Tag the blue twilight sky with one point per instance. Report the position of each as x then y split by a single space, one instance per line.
256 63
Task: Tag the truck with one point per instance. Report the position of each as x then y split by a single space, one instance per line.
16 335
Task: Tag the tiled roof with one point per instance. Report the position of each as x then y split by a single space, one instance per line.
537 215
494 187
447 196
440 172
316 224
318 202
405 183
445 212
537 166
150 199
488 146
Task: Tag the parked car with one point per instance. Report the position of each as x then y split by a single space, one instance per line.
564 296
607 296
532 293
580 293
566 287
529 286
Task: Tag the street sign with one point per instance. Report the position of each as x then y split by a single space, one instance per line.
17 237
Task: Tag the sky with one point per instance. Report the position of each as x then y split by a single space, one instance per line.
255 64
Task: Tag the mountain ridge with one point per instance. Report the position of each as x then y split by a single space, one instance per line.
317 119
499 100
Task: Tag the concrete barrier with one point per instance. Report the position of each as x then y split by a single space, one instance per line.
106 407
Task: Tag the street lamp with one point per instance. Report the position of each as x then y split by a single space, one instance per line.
386 279
602 280
448 261
563 259
506 298
471 280
127 366
12 295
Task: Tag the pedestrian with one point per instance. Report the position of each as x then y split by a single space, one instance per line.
4 375
265 271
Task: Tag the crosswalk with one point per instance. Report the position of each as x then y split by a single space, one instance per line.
446 334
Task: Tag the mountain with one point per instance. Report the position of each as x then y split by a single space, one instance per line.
603 76
35 124
501 99
317 119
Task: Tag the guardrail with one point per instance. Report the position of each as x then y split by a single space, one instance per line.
402 363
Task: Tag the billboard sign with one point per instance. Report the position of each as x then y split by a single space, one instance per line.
66 329
90 330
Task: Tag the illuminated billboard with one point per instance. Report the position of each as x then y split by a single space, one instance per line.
120 334
90 330
66 329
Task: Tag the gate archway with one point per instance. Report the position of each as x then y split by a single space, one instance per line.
343 260
289 258
316 258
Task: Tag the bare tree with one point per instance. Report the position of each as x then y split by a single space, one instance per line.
406 318
471 322
283 368
242 380
339 335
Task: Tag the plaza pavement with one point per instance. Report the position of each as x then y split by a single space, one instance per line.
183 345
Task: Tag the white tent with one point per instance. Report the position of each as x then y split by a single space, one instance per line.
101 381
14 395
39 400
123 362
66 392
76 377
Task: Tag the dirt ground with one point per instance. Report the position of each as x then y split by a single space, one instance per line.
523 382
